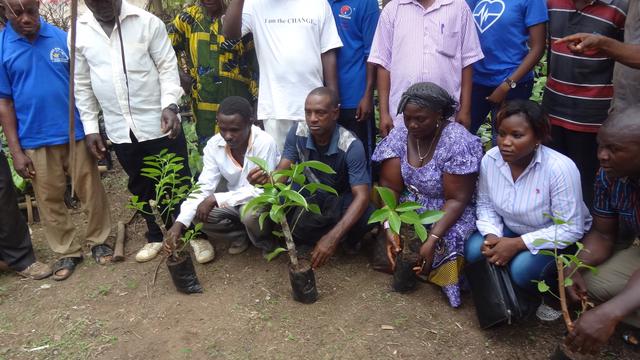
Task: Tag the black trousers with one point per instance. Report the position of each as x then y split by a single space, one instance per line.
582 148
131 157
15 241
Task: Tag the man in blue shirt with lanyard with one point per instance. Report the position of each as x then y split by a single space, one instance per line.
34 102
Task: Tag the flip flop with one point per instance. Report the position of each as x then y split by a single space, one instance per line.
67 263
99 252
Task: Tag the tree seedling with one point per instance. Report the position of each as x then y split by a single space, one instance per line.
279 198
563 262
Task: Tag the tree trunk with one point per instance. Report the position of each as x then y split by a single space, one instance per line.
291 246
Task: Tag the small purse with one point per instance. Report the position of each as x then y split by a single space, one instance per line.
496 298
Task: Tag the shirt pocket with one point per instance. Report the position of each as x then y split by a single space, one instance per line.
137 57
449 43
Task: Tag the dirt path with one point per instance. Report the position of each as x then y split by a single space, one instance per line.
246 312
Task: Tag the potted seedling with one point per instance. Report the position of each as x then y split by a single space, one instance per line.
404 221
563 263
279 199
170 189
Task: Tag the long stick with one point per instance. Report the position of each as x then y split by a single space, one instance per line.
72 98
288 238
563 295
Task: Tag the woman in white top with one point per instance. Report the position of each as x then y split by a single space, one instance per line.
522 183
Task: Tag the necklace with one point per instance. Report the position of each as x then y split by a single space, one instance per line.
433 141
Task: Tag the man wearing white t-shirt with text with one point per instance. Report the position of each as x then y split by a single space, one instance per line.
296 43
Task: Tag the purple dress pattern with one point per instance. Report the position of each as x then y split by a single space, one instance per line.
458 152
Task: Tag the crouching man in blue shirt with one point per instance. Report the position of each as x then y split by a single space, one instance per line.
343 218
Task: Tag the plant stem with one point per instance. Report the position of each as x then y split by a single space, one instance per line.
563 295
288 238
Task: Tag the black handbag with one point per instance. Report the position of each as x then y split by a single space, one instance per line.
496 298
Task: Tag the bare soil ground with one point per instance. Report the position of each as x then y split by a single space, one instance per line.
246 312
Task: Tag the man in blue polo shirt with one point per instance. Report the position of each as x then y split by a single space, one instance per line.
343 218
34 81
356 21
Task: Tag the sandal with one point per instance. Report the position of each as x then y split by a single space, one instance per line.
100 252
67 263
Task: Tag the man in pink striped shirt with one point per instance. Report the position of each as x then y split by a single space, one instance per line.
424 40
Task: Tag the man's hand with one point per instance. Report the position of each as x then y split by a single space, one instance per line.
499 94
170 123
365 108
173 237
257 176
95 145
591 331
386 124
205 207
325 248
23 165
578 291
583 42
464 118
501 250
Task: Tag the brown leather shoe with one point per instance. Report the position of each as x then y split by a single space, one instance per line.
36 271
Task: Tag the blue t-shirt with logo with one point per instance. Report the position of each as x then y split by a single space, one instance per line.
356 21
503 29
36 77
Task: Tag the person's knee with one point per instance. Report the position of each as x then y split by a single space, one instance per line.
472 247
526 267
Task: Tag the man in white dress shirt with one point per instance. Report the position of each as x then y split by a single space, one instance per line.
126 67
226 156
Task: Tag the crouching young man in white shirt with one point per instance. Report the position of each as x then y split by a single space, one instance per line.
226 156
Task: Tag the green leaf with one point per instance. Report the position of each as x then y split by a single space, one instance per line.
540 242
260 200
274 254
388 197
543 287
320 166
261 163
431 216
299 179
579 245
379 216
295 197
410 217
314 208
276 214
408 206
394 222
568 282
547 253
313 187
261 219
279 234
554 219
421 231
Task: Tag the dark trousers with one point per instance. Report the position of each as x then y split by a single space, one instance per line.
582 148
15 241
131 157
481 107
364 130
310 227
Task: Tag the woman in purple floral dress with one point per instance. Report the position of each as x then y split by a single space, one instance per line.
434 162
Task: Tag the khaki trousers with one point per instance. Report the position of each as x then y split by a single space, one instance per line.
51 164
613 276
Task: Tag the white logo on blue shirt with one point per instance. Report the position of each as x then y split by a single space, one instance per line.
486 13
58 55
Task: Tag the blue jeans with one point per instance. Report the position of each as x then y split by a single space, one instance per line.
523 267
480 107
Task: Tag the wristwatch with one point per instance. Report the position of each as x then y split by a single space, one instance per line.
175 108
512 84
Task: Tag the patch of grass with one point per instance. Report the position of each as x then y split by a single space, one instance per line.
102 290
132 284
79 338
5 324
